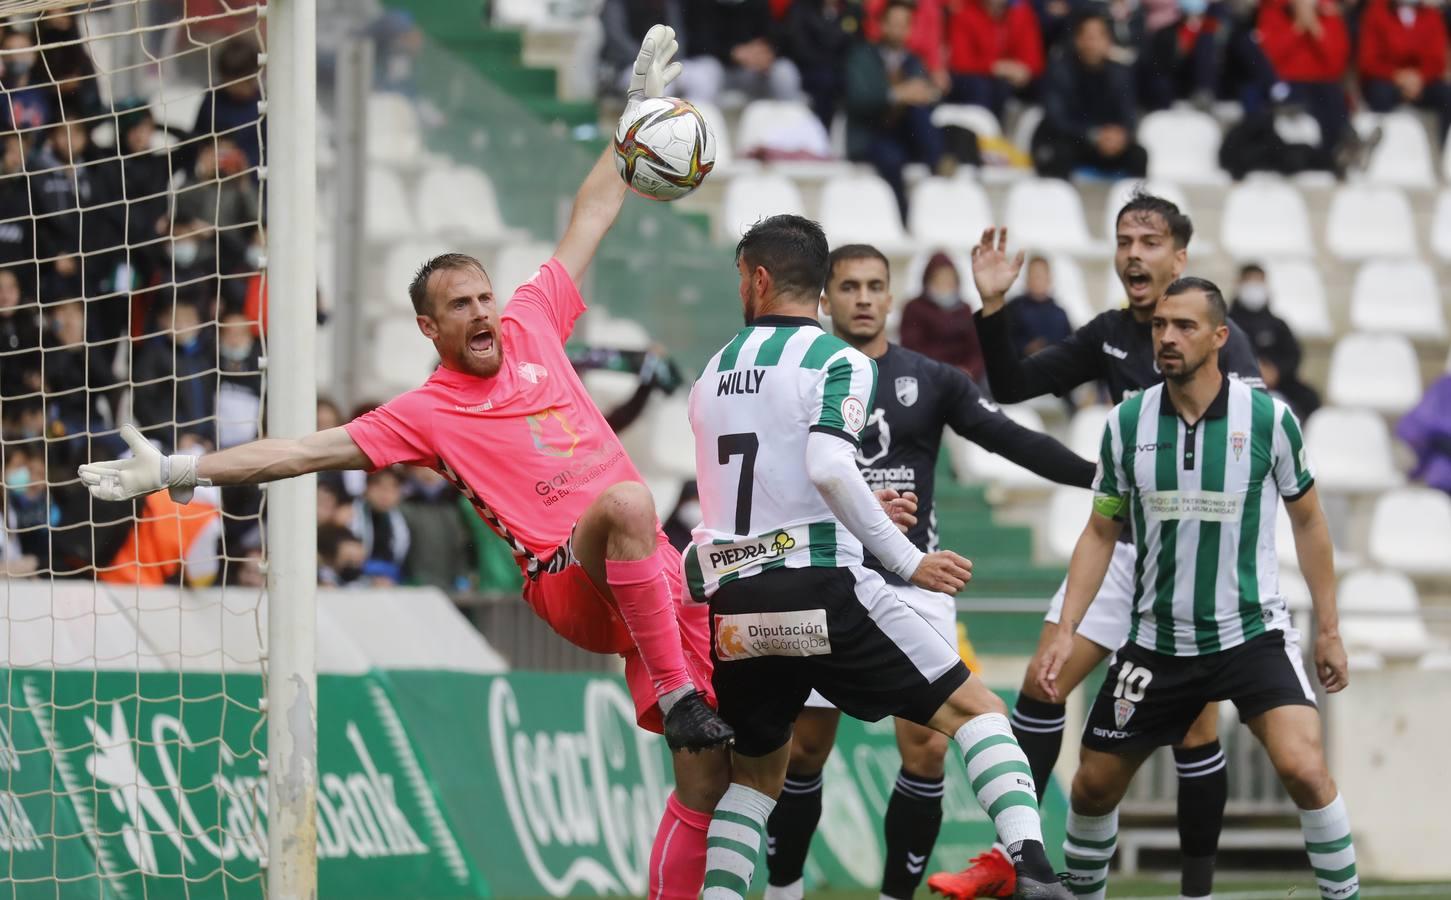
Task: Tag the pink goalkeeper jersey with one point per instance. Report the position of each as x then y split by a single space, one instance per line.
528 446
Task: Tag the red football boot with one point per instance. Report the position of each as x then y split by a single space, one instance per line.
988 875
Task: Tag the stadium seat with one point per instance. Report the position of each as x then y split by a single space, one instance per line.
1381 612
977 119
1441 225
520 13
861 209
390 215
400 357
1399 297
399 266
1046 214
1183 146
1403 156
1067 513
1367 222
1297 295
459 200
949 212
1350 450
973 463
1410 530
1085 431
1285 545
176 105
783 125
1376 371
394 135
516 264
672 441
754 196
1265 218
604 330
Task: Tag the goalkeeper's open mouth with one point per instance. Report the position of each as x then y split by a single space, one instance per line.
481 342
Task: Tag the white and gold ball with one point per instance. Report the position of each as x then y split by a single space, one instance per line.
664 148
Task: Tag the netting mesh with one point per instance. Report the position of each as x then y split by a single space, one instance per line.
132 738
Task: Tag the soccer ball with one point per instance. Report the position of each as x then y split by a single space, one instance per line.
664 148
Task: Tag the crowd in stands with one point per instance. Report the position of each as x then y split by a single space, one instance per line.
129 292
1092 67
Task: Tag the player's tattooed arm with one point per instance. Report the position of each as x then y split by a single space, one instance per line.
1086 571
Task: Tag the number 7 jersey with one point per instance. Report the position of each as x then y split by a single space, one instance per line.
779 379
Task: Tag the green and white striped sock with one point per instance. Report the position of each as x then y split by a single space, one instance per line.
1087 848
733 842
1001 778
1332 855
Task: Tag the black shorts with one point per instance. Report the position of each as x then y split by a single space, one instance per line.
777 635
1151 699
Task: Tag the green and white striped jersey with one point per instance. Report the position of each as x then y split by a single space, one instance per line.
777 381
1200 500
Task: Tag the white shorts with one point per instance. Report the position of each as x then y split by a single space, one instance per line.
939 610
1107 621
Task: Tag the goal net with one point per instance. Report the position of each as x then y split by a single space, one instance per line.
133 731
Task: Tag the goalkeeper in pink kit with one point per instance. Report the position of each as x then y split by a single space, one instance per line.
509 423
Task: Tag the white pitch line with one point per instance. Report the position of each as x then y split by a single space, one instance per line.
1298 892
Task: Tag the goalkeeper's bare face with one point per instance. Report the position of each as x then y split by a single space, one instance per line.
464 324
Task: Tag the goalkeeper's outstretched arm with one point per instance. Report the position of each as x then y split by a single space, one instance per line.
270 459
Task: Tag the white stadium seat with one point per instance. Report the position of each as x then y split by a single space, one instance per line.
862 209
1441 225
725 152
399 354
783 125
1183 146
1399 297
1350 450
1403 156
754 196
1297 295
1046 214
400 265
1085 431
975 464
672 441
977 119
1265 218
949 212
1381 612
1068 510
389 214
394 135
516 264
1367 222
1376 371
459 200
1410 530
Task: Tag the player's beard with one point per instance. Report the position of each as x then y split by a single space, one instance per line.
1187 368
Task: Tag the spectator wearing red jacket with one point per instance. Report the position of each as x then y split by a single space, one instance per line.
995 50
1308 49
1402 58
926 40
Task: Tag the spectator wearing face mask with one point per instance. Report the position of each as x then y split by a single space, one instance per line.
239 387
1402 58
175 378
28 514
340 556
1275 344
938 324
32 98
215 222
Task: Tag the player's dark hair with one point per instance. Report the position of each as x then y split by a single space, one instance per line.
1143 203
1249 269
1218 311
418 290
848 252
793 249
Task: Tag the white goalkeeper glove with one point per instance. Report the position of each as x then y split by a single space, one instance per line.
653 70
147 471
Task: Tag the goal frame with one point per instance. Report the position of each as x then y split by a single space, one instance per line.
291 659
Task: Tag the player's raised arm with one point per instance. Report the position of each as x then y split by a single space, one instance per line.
598 202
271 459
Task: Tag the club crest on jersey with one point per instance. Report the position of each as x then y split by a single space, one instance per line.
1123 710
1236 442
907 390
532 372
